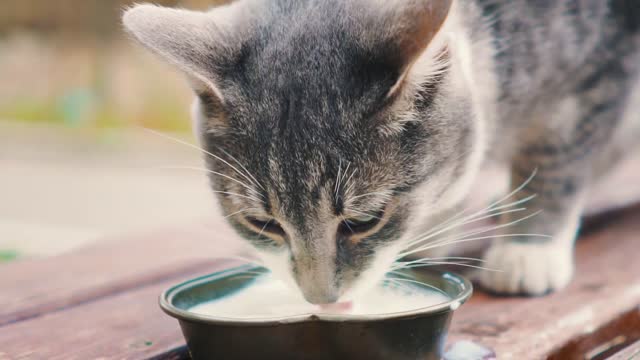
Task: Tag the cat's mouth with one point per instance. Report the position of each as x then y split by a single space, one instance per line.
338 307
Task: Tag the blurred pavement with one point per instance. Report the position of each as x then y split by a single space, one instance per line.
62 188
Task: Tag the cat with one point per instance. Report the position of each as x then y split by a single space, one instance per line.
338 131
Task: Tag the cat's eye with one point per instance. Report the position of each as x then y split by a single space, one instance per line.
359 224
263 225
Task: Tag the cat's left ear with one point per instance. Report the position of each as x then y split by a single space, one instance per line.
195 42
416 23
409 28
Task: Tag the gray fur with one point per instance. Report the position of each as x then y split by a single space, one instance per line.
295 101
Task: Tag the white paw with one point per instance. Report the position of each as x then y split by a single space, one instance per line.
527 269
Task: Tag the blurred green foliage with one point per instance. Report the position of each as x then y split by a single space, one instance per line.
68 62
8 255
167 116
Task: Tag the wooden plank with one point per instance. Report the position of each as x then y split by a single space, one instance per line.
629 353
603 342
115 327
32 288
607 284
126 326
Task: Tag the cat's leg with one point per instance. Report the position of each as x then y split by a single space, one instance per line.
525 260
562 158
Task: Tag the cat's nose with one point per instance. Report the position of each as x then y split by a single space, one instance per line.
317 284
314 269
318 296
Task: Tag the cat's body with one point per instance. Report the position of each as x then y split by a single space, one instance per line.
567 74
338 130
546 51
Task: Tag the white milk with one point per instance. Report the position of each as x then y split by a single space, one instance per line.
272 298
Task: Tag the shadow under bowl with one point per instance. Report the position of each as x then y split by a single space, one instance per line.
415 334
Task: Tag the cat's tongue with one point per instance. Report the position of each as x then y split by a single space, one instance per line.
340 307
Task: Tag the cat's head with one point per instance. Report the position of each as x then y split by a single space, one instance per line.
333 127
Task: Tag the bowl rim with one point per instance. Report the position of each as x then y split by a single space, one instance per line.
165 302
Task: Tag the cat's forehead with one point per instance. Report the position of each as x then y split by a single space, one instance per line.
317 63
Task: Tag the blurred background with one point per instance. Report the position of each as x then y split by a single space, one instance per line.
76 165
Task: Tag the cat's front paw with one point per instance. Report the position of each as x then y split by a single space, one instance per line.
527 268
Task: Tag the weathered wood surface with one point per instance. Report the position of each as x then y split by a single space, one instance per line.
606 286
32 288
629 353
128 324
605 341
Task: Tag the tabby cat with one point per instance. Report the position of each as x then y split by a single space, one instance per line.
341 133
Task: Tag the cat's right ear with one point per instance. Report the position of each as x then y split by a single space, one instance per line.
193 41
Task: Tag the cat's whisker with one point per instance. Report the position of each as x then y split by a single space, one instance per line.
519 202
157 133
338 177
457 219
364 213
349 183
346 223
399 265
243 258
382 194
344 173
492 206
240 212
264 227
486 210
420 283
471 218
195 168
239 195
496 227
458 241
436 263
472 233
341 180
242 166
444 259
460 223
438 259
518 189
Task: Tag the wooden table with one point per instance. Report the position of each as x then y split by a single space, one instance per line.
101 302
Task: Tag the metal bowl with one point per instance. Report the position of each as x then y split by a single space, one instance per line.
417 334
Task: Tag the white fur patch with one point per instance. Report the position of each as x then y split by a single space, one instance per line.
375 273
532 269
278 263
